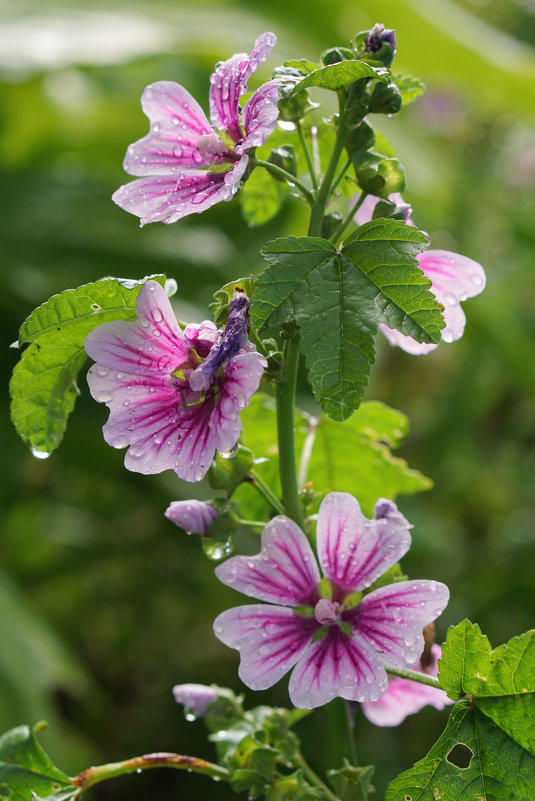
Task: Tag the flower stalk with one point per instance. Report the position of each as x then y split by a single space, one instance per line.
285 395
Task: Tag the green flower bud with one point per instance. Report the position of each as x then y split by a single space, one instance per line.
330 223
360 137
385 99
293 109
336 54
283 157
378 175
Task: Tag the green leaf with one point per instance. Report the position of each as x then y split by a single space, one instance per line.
501 681
337 297
43 386
351 783
222 297
302 64
410 87
261 198
352 457
494 766
25 768
337 76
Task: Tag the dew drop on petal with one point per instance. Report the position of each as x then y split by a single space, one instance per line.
476 279
447 336
450 299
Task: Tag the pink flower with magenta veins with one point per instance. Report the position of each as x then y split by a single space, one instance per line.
336 639
174 396
187 163
454 278
405 697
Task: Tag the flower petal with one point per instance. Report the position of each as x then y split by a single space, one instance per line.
391 619
241 378
260 116
405 697
193 516
169 198
284 572
338 665
270 639
196 698
454 278
365 213
229 81
177 123
354 551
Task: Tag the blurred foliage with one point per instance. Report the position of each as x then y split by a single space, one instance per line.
112 604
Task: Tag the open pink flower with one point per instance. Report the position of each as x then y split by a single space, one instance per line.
405 697
336 645
453 277
187 163
165 404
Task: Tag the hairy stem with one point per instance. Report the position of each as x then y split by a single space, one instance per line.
285 393
101 773
266 491
414 675
288 177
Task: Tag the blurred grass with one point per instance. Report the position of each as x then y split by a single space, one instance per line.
108 604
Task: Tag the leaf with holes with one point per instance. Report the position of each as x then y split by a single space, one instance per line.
43 386
501 681
27 771
473 760
337 298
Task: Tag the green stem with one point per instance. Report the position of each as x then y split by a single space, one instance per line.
313 778
414 675
324 192
266 491
285 393
308 157
341 174
251 523
306 451
101 773
286 176
343 225
258 342
350 717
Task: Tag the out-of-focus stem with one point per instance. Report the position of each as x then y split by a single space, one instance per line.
286 434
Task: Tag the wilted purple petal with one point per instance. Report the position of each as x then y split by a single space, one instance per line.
229 81
259 116
270 639
405 697
354 551
284 572
193 516
391 619
337 665
377 36
195 698
241 378
169 198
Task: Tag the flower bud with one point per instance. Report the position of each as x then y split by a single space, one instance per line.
195 698
381 44
385 99
283 157
336 54
193 516
330 223
360 137
377 175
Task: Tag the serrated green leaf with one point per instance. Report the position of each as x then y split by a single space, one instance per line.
222 297
337 297
261 198
337 76
498 768
501 681
43 385
410 87
26 769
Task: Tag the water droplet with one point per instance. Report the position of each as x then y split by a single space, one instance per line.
40 454
189 715
157 315
476 279
120 376
104 397
447 336
139 770
450 298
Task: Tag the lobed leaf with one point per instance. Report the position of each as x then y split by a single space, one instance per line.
43 385
261 198
410 87
337 297
473 760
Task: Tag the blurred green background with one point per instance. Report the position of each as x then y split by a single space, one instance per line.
104 605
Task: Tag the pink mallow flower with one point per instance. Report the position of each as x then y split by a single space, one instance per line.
187 163
174 396
193 516
337 642
453 277
405 697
